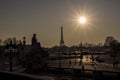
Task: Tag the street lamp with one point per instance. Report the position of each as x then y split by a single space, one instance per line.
59 59
11 49
81 54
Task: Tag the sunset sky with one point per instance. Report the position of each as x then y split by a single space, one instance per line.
20 18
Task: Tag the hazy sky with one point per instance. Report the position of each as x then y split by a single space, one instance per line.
20 18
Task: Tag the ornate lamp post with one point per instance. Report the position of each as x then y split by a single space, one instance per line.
60 59
70 58
24 41
11 49
81 54
75 54
23 51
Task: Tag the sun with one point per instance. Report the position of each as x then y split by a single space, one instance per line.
82 20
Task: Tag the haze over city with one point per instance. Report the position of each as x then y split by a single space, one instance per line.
20 18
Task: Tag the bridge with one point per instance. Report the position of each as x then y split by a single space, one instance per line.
73 73
86 73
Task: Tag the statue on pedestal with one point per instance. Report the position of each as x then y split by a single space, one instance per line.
37 58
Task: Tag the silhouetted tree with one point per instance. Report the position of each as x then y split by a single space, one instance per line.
115 47
108 40
8 40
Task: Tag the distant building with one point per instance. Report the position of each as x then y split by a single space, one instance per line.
62 39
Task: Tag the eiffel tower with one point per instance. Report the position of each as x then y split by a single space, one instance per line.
62 40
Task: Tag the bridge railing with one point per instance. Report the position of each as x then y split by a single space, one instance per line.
87 73
18 76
